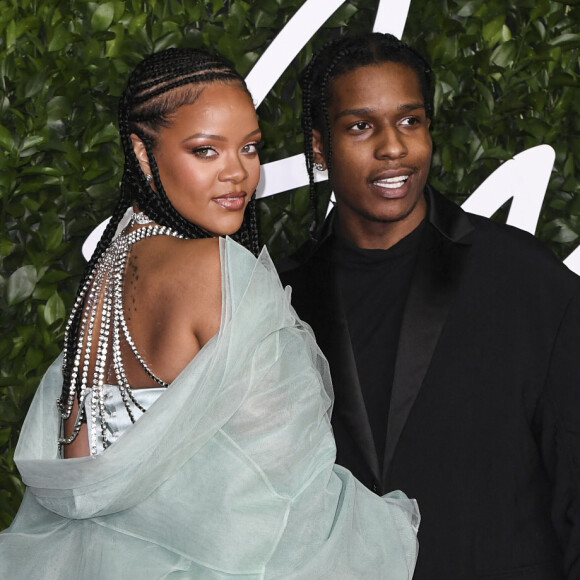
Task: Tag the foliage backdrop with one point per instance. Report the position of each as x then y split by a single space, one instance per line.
507 79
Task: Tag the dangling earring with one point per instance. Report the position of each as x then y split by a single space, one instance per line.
319 167
148 178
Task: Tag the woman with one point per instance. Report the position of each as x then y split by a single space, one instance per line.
229 472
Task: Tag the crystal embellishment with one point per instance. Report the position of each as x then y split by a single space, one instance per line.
100 338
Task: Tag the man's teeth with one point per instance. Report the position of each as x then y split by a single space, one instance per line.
392 182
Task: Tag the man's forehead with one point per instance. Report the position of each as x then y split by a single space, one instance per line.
364 87
386 70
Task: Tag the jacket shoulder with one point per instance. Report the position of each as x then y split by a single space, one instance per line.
494 244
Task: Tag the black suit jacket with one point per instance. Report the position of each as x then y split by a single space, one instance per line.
484 423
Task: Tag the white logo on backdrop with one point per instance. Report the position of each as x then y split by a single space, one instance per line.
523 179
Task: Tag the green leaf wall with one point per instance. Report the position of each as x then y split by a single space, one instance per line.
507 79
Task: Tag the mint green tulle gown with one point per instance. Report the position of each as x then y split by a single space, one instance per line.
229 474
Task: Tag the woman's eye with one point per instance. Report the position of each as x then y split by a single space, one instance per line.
204 152
252 148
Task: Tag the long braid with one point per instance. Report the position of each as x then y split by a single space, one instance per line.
336 58
251 217
157 87
72 328
316 103
308 150
247 235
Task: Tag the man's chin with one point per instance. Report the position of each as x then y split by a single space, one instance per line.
394 216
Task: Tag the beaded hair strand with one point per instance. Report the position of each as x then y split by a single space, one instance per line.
334 59
157 87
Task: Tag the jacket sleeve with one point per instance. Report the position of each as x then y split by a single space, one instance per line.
559 418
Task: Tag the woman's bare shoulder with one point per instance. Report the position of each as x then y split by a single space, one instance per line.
199 264
186 263
178 284
168 271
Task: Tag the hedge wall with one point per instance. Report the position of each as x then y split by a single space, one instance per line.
507 79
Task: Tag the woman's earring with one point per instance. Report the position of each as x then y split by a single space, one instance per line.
148 178
319 167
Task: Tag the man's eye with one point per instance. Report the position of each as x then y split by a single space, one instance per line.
410 121
360 126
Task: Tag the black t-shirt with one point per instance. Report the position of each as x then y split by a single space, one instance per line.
373 285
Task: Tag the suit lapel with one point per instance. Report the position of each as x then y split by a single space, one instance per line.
442 258
331 328
437 276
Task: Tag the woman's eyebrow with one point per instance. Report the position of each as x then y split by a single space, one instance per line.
216 137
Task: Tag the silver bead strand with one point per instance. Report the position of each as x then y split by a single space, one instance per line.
105 286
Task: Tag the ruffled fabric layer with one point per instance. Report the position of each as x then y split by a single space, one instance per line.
230 473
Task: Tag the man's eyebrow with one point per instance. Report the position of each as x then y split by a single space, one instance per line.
217 137
412 106
355 112
362 111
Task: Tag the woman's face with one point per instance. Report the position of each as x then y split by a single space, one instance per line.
208 158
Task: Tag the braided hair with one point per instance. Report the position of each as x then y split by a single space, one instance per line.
159 85
336 58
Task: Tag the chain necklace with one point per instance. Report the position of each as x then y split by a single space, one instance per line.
104 290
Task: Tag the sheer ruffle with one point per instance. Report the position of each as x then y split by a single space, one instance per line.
229 473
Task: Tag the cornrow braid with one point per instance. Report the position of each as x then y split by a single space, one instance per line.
334 59
157 87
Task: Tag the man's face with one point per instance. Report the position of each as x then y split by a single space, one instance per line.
381 152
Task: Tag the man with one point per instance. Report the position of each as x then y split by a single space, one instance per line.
451 339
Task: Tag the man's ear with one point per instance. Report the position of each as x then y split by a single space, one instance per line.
318 148
141 153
